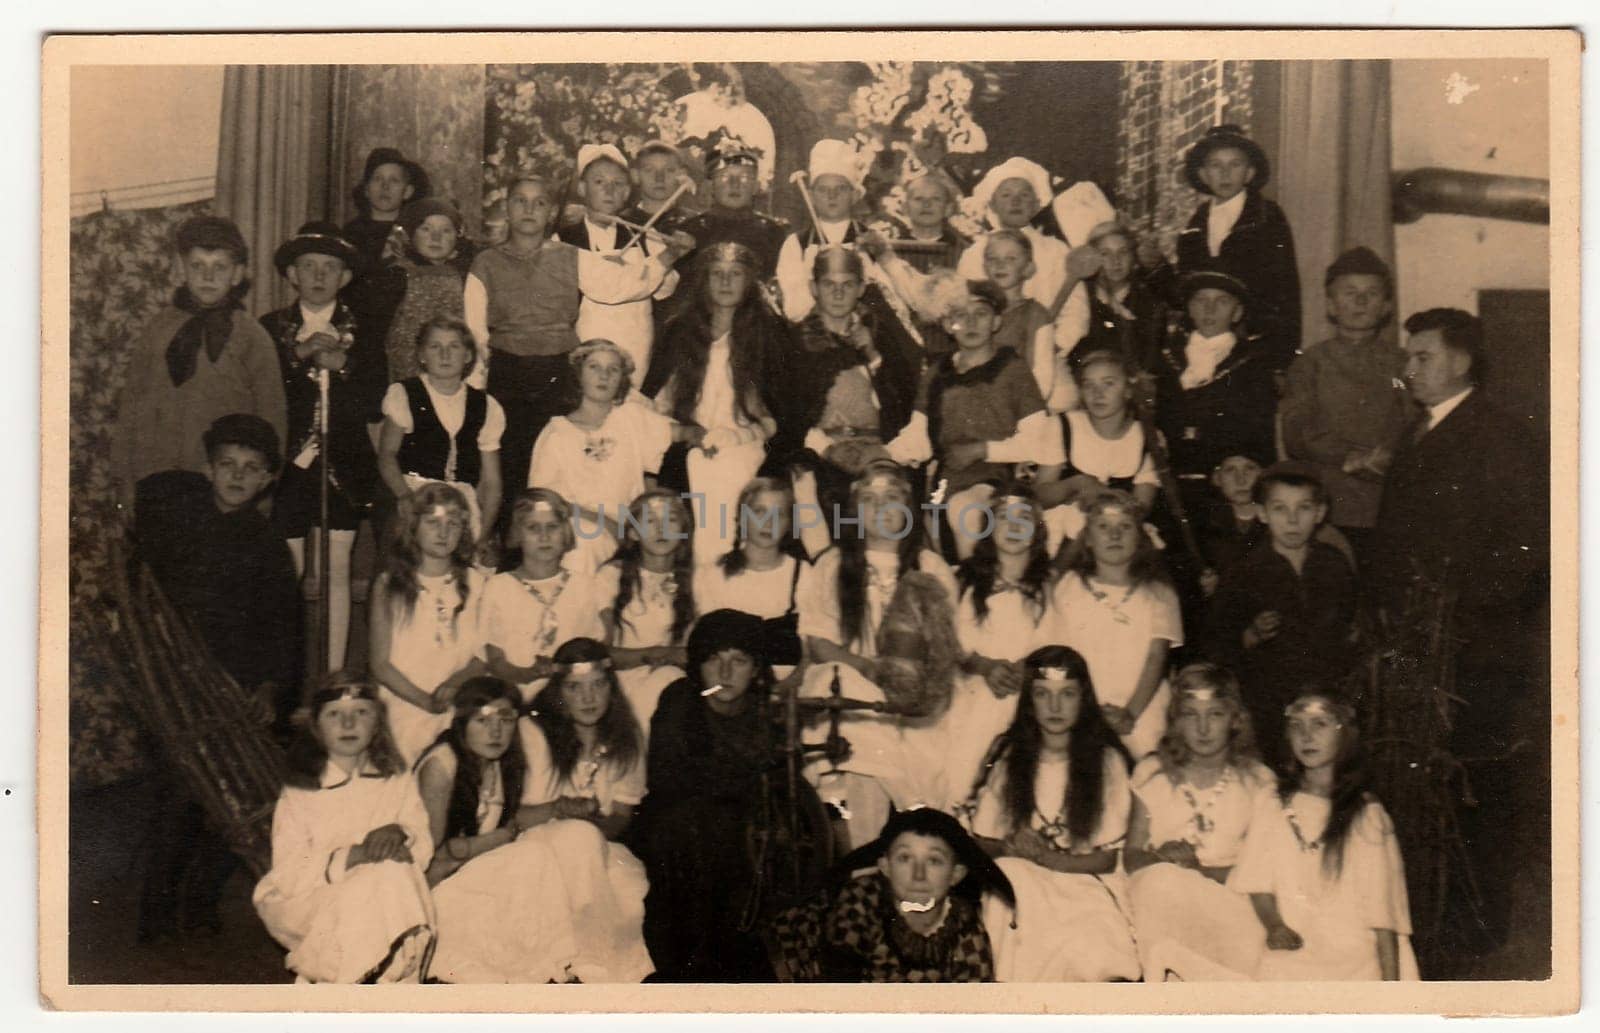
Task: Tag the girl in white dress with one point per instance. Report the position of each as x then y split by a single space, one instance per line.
647 593
598 456
1321 863
844 600
424 617
530 610
346 893
1115 605
718 360
1005 590
1105 447
1053 811
1193 801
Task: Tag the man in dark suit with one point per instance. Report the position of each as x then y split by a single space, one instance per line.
1465 506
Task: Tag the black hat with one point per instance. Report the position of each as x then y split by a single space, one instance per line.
1359 261
988 292
1225 136
415 174
314 238
212 233
982 872
727 629
415 213
724 149
1213 274
247 430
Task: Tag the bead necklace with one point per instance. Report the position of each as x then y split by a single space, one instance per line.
1200 817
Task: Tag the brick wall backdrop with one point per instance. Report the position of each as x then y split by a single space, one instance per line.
1165 107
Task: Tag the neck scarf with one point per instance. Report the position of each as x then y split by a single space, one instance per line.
1204 355
209 328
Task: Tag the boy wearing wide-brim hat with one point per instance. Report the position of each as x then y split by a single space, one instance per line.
319 332
1248 232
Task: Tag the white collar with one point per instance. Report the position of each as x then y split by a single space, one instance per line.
1437 413
598 230
1227 337
318 315
1230 208
333 776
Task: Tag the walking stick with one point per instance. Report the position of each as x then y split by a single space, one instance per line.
799 179
666 206
324 624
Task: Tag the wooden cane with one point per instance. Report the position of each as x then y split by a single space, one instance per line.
683 186
799 179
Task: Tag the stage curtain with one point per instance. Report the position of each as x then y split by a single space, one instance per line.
273 162
1332 167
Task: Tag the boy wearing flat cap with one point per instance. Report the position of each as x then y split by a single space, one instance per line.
318 332
198 359
1240 227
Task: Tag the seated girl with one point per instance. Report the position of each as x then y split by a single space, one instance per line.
647 598
1321 864
1193 801
1104 444
552 898
1115 605
599 455
711 739
914 916
436 427
424 619
1053 810
346 893
541 602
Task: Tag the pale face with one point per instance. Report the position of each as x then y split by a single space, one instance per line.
600 376
529 210
1314 738
665 529
1358 301
444 354
586 697
885 510
210 274
1434 370
1213 310
346 727
921 869
1117 259
488 732
1236 479
734 186
239 475
605 187
927 206
318 278
973 325
1292 514
1112 535
658 174
1105 390
435 239
726 283
832 196
767 520
1014 203
733 670
1015 524
1226 171
1205 725
543 534
388 190
1056 705
837 293
1007 263
439 531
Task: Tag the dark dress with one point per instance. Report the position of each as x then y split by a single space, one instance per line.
1260 251
692 834
1110 330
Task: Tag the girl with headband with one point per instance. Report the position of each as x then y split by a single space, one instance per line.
1193 801
1321 864
346 894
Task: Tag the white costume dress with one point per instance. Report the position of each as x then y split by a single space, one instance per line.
1113 626
646 622
370 923
428 645
716 480
1070 927
1183 921
528 619
557 903
1337 917
628 324
601 470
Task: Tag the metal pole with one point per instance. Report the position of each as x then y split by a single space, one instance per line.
324 625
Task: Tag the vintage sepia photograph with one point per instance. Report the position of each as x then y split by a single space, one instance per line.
543 520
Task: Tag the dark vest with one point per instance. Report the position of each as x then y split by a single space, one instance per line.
1069 470
426 450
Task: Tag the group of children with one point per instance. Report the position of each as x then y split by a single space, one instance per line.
1029 502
